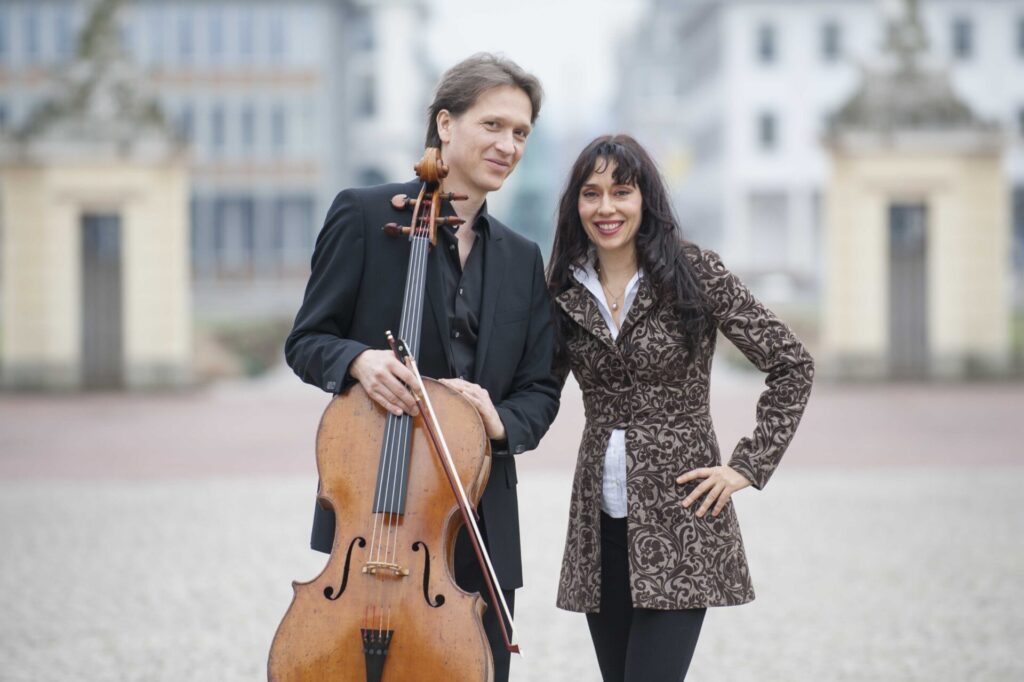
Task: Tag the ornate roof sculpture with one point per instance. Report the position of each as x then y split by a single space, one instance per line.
99 106
904 97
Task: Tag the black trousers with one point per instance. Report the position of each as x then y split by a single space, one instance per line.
637 645
470 578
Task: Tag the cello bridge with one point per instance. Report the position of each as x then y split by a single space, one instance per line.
373 567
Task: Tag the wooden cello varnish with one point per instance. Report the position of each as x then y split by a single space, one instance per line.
386 608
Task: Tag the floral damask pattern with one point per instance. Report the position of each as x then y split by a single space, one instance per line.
648 383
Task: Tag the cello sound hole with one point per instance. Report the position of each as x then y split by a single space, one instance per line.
439 599
329 591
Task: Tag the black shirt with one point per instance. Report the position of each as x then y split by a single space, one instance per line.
463 297
463 291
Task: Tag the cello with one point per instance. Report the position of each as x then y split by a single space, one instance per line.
386 607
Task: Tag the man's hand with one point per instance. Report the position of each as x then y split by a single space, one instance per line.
481 400
382 377
721 481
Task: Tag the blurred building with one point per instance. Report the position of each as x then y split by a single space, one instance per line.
917 226
282 103
94 188
528 203
734 96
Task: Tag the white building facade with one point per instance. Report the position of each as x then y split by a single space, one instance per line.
733 98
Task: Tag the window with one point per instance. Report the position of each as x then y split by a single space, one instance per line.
186 38
769 218
62 32
127 39
276 42
32 33
831 41
217 131
248 127
767 131
234 234
3 32
963 38
216 36
766 47
245 23
186 123
293 232
361 28
278 128
156 35
366 100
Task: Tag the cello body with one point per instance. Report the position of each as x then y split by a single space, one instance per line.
394 615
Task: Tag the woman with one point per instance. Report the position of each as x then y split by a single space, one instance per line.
652 538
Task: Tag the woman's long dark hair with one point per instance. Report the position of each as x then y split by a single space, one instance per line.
660 248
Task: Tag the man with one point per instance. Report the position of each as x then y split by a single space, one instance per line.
498 357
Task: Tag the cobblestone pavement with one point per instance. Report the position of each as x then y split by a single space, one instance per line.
867 575
156 537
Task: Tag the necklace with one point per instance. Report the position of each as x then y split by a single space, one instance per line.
614 300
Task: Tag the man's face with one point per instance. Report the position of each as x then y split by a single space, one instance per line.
483 145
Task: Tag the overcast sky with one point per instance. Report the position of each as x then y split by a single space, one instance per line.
571 45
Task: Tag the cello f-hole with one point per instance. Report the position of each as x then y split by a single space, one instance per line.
329 591
439 599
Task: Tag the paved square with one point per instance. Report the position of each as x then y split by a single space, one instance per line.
156 538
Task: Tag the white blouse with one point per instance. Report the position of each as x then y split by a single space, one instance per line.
613 487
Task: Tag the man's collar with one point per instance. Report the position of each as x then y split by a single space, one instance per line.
483 220
482 224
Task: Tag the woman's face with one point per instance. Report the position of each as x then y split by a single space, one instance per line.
610 212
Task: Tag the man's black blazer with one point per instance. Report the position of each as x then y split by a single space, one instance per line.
355 294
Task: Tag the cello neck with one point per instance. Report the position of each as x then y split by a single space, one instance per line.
411 325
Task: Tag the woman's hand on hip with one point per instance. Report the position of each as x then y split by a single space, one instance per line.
718 486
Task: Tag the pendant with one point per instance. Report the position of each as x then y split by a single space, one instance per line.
615 306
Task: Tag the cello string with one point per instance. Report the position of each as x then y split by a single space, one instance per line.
377 529
394 424
413 333
397 452
394 453
399 448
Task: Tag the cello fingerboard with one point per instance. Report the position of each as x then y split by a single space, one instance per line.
393 470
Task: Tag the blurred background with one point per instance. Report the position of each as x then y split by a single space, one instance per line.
165 167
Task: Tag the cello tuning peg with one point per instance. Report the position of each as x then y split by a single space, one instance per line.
401 202
394 229
452 196
450 220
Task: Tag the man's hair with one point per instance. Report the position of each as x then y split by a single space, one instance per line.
462 84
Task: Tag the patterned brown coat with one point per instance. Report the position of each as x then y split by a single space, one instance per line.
648 383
